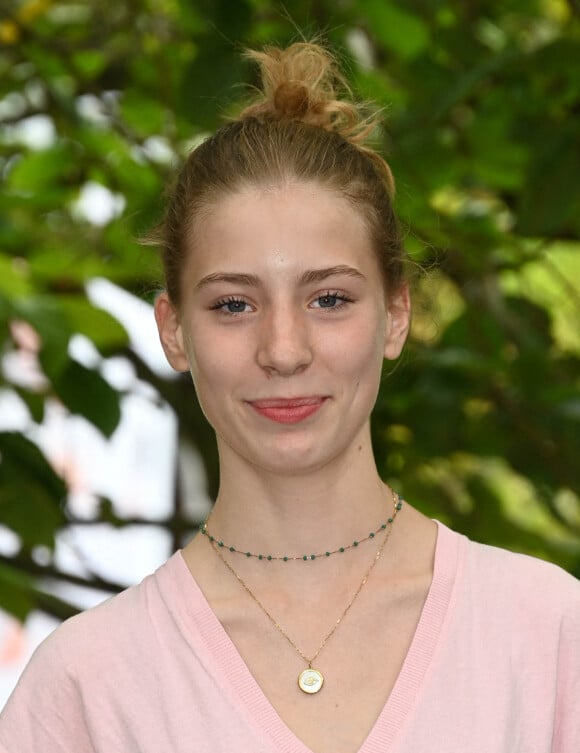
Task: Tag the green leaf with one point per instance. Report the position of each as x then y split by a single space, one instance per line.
32 495
17 591
13 277
35 172
143 115
399 30
34 401
86 393
90 63
106 333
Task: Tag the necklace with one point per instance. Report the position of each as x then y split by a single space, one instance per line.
289 558
311 680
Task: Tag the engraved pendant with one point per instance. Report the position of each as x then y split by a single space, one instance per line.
310 680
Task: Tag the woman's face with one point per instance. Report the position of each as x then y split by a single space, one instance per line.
284 325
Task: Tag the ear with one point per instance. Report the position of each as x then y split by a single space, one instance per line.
170 332
398 322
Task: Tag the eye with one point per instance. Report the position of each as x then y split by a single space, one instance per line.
330 300
232 305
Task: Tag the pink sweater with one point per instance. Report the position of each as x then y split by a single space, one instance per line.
494 667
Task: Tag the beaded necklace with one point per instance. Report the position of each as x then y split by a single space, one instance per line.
289 558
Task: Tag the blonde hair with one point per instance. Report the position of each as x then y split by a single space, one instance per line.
299 127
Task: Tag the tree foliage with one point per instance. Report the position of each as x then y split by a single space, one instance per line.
480 423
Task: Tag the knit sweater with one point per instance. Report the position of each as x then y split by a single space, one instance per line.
493 667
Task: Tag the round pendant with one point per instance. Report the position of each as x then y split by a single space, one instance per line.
310 680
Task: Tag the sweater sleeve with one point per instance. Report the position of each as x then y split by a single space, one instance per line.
567 721
45 711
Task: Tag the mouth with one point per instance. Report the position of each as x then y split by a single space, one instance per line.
288 410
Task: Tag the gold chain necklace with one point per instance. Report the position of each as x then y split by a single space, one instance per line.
311 680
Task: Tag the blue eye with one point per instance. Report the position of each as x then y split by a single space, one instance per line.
232 306
330 301
327 301
235 307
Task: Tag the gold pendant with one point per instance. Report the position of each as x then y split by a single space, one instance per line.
310 680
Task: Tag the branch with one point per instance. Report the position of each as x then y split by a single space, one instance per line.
29 566
175 523
55 607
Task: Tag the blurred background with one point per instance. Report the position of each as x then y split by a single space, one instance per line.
106 463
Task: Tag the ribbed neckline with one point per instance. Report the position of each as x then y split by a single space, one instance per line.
202 629
428 633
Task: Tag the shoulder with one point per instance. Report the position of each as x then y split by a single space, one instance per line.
511 639
516 612
91 654
116 626
525 587
118 620
515 569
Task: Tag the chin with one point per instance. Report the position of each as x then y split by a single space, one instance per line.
295 458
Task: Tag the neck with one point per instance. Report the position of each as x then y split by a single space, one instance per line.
297 513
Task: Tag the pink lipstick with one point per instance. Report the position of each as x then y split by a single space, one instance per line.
288 410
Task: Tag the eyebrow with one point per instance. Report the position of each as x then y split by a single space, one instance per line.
318 275
236 278
308 277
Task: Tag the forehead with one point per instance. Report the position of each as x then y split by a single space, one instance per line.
291 226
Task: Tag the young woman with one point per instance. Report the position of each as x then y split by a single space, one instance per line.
316 610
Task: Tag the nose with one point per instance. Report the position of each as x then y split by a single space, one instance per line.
285 346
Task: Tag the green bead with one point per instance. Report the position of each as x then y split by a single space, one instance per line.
312 556
355 543
341 549
248 554
211 538
220 543
327 554
399 505
305 557
260 556
390 520
269 557
232 549
371 535
285 559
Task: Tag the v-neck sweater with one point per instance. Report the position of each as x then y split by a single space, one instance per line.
493 667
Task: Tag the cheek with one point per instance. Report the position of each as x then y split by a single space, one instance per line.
211 385
366 340
215 363
207 367
357 354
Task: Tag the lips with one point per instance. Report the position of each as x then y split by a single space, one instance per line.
288 410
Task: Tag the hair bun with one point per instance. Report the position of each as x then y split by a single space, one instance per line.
291 100
304 83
